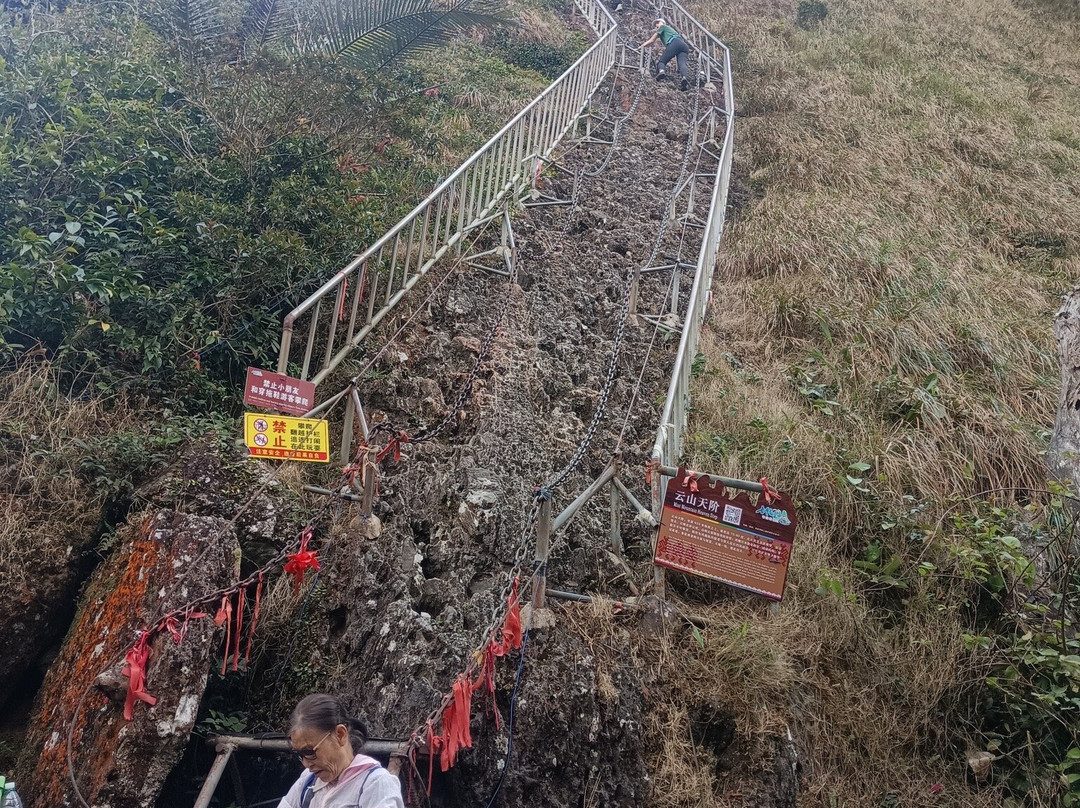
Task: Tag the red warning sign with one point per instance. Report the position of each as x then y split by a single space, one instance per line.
278 392
706 531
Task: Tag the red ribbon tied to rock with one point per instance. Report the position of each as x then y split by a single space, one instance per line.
135 670
302 560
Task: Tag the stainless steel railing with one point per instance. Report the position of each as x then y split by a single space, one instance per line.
347 307
715 59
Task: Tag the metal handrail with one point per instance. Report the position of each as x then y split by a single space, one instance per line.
384 273
715 56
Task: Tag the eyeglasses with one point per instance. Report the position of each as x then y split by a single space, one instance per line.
309 754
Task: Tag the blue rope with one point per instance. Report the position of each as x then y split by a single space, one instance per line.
510 722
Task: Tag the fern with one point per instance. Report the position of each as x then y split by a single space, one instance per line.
372 33
197 22
263 21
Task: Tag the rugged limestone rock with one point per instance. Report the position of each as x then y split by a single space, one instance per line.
118 763
166 558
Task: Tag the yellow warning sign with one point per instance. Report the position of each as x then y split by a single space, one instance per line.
285 438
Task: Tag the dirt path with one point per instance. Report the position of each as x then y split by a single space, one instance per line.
406 608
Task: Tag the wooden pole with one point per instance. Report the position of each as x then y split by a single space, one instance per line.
543 544
616 508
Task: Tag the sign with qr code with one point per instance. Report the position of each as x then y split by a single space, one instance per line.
727 537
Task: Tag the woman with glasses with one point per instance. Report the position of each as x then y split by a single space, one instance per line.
327 740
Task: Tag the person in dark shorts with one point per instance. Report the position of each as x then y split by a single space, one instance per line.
674 47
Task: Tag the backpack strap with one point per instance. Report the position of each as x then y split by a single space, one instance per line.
363 785
307 793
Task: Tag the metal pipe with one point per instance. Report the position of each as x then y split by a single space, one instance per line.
213 777
582 498
326 492
727 482
543 544
360 413
637 506
376 747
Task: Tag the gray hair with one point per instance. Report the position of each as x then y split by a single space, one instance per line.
323 713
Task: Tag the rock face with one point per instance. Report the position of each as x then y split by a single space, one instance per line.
403 621
115 762
188 547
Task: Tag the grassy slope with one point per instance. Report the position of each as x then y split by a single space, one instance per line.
906 219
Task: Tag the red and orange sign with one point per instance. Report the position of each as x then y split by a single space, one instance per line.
278 392
708 532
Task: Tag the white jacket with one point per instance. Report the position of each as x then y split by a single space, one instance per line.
364 784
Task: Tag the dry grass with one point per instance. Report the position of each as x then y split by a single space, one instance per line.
906 220
45 507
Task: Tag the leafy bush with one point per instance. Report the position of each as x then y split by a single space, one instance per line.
550 61
136 238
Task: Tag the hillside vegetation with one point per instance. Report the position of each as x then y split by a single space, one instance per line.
906 217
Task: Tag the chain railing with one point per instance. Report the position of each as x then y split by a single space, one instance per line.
715 61
347 307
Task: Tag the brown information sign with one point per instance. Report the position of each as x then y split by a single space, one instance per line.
278 392
707 532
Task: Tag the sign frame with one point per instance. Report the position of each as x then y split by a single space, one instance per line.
708 532
284 437
278 392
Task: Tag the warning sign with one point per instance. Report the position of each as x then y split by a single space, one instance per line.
704 531
287 438
278 392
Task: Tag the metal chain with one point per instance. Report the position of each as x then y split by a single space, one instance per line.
609 383
432 432
619 128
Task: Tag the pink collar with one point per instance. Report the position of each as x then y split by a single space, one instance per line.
359 765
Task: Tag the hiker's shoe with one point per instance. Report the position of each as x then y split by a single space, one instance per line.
661 75
685 84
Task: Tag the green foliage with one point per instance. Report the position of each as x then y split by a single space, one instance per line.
135 237
547 60
372 33
1026 629
217 722
116 463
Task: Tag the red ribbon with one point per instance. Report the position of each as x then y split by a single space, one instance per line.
511 627
456 734
651 468
769 492
341 305
254 621
393 446
239 628
302 560
224 618
135 670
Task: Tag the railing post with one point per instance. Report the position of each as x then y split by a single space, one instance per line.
543 544
371 475
616 508
347 428
206 793
659 578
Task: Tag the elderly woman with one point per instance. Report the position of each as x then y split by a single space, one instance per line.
327 740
